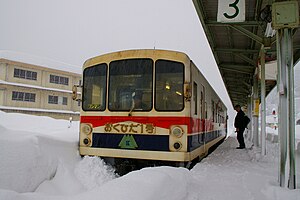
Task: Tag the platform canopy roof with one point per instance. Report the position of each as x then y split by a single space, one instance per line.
236 46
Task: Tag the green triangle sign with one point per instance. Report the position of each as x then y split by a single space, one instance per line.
128 142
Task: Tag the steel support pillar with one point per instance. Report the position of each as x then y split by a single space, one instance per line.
255 110
249 113
287 176
263 102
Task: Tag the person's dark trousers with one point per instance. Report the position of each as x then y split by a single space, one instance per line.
240 137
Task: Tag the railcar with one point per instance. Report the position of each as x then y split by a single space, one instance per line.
148 105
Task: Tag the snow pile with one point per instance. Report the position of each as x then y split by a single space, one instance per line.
147 184
42 163
40 125
22 166
63 183
93 172
31 147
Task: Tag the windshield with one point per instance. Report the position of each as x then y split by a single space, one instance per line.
94 88
130 85
169 86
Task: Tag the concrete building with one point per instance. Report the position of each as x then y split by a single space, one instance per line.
37 86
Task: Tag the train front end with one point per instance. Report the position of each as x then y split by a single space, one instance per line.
135 104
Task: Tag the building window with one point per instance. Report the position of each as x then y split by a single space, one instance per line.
65 101
23 96
59 80
57 100
52 99
25 74
17 96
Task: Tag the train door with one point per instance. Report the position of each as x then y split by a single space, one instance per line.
195 108
196 115
202 114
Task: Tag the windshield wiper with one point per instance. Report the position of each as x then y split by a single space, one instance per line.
132 105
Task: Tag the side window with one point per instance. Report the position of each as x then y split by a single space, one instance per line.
213 110
202 105
195 94
217 113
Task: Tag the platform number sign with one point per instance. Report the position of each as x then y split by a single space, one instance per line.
231 11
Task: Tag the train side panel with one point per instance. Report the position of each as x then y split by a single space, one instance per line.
208 115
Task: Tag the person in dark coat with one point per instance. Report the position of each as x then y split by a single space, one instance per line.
239 126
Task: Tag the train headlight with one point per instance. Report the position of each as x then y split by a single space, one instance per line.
177 131
86 141
86 129
177 145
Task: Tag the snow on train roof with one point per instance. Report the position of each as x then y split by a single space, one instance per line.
39 61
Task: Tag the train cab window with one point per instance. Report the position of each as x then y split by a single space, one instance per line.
94 88
169 85
130 85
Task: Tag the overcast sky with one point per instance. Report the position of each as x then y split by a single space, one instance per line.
72 31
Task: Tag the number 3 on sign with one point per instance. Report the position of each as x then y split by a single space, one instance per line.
234 6
231 11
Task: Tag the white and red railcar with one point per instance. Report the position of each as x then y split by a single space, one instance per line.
148 105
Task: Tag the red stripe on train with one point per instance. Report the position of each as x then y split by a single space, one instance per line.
195 125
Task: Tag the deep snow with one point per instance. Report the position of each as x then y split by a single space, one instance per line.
39 160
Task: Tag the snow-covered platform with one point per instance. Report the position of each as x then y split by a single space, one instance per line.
43 163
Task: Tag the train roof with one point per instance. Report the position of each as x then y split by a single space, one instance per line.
135 53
